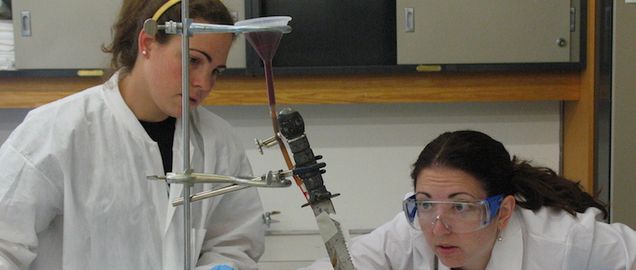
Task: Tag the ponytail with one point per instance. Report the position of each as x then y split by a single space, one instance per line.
536 187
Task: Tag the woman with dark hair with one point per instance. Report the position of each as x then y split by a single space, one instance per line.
73 187
475 207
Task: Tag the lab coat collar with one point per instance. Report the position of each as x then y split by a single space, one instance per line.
196 161
120 109
125 115
173 227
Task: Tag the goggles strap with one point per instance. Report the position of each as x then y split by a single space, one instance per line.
494 203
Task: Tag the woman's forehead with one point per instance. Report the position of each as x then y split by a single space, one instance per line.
447 182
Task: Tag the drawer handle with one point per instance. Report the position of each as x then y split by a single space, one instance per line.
25 20
409 25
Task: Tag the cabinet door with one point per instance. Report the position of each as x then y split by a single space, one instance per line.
69 34
485 31
64 34
236 57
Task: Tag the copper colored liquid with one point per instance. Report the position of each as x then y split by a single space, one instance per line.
264 43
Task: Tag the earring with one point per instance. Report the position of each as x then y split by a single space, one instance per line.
144 52
499 238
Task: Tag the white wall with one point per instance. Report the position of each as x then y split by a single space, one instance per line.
369 149
9 119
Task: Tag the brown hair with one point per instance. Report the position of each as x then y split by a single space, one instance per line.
131 18
489 162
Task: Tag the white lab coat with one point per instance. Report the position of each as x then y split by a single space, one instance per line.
74 193
547 239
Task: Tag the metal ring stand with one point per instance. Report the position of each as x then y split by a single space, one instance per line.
187 178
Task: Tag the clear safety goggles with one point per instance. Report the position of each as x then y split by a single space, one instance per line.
455 216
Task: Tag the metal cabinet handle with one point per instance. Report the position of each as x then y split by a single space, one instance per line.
409 20
25 21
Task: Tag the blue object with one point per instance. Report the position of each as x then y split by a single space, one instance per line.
222 267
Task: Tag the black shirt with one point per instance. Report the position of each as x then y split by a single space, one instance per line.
163 133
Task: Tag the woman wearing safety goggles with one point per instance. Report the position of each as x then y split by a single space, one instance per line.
458 216
475 207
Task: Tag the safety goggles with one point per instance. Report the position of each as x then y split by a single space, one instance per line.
455 216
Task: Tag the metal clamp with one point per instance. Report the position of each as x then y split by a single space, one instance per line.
170 27
269 180
267 143
267 217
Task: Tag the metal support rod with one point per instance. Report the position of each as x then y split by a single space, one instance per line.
170 27
271 179
209 194
185 124
197 28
